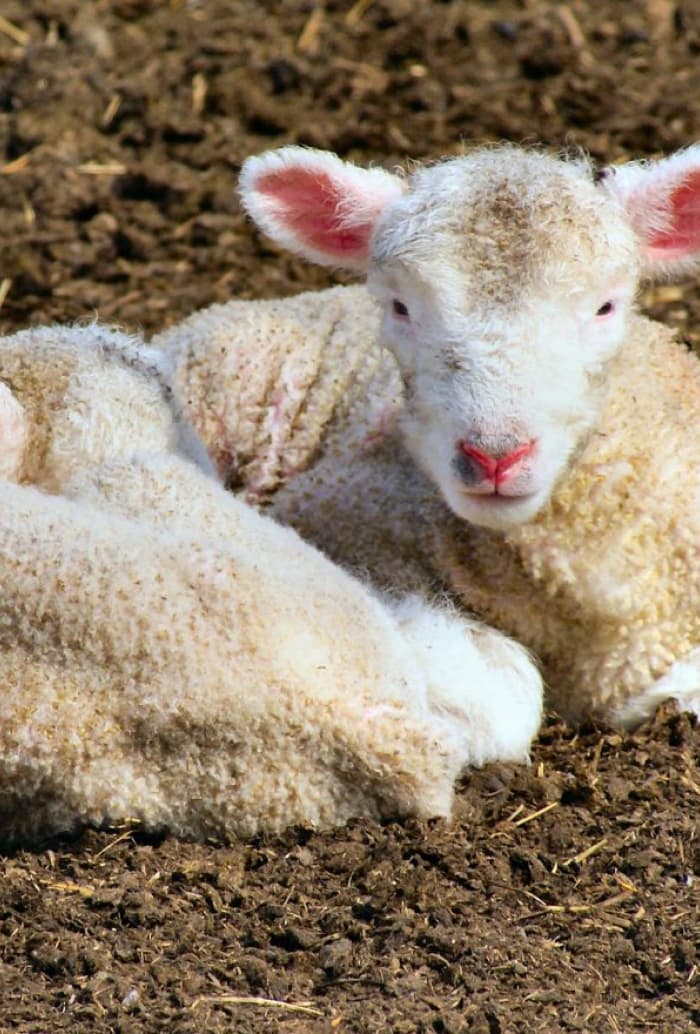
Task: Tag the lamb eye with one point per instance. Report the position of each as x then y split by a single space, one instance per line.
606 309
399 309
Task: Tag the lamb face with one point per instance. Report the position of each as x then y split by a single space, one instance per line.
507 279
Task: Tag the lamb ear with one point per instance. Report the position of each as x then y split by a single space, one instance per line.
317 205
662 199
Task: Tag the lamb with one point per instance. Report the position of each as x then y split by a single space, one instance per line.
172 657
499 442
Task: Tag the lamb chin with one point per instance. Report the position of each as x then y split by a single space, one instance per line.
500 512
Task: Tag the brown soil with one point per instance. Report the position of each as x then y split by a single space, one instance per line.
564 897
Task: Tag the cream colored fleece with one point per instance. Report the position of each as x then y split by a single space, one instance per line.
86 393
170 655
149 675
604 585
267 382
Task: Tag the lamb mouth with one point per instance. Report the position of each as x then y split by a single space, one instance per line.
498 498
502 512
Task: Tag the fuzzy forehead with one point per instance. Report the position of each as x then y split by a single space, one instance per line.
508 220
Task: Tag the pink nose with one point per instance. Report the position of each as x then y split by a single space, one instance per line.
498 469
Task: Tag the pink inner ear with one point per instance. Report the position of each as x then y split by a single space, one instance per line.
682 237
308 204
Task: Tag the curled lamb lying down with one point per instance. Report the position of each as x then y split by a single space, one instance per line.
518 434
171 656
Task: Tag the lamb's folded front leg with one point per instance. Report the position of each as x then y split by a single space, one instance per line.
478 678
681 683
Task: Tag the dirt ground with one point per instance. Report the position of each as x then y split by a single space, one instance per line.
563 897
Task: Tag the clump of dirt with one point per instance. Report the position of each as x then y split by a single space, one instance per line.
564 896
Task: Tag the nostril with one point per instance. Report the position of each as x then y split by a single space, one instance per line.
497 469
488 464
508 461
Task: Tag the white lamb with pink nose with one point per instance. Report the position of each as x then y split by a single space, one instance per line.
513 374
506 279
